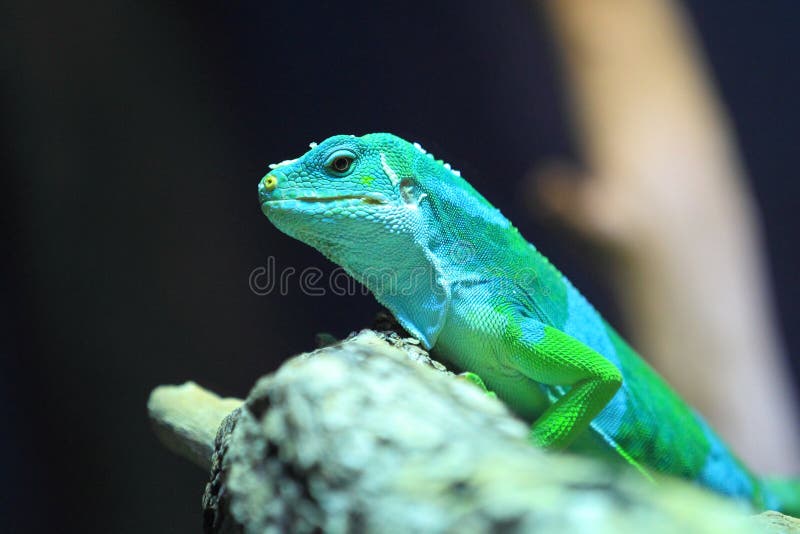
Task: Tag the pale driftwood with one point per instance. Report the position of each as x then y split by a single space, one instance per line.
186 418
370 435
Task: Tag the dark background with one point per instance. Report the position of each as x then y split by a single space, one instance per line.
134 134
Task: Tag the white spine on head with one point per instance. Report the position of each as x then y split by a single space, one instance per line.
446 165
283 163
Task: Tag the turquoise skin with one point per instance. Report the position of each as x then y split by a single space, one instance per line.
462 279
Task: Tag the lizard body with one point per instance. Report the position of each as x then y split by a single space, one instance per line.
462 279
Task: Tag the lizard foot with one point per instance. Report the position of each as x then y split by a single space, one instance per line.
472 378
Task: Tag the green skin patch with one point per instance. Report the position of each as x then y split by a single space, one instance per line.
458 276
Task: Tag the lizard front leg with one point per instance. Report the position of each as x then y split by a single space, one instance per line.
552 357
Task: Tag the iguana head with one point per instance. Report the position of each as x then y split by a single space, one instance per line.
359 201
389 213
347 196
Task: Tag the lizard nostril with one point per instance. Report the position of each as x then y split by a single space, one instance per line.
270 182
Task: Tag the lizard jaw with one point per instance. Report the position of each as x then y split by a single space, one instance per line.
366 199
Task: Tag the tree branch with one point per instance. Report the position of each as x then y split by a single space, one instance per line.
371 435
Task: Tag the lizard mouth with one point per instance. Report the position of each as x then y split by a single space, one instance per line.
325 200
363 198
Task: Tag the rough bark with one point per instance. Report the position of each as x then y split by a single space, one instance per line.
371 435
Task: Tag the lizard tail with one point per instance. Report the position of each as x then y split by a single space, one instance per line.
782 494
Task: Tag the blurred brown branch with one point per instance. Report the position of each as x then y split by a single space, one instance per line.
664 192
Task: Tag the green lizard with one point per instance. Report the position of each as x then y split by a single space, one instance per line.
461 278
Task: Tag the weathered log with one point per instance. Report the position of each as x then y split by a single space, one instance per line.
371 435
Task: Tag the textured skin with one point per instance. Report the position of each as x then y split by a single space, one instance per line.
460 277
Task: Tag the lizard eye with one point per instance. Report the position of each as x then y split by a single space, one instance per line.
340 162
